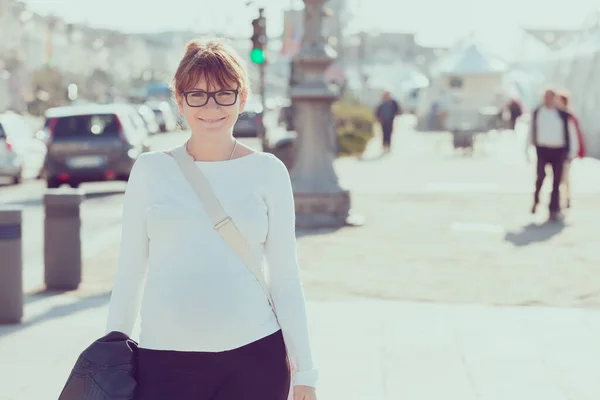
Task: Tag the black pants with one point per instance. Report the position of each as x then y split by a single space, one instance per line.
257 371
387 127
556 158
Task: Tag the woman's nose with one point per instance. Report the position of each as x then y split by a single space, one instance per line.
212 103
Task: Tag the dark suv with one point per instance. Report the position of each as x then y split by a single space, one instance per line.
92 143
250 122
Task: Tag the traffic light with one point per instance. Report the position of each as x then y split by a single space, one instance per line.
259 39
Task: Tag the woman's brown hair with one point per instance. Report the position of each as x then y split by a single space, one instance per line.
216 62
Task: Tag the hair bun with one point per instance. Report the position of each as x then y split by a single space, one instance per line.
193 46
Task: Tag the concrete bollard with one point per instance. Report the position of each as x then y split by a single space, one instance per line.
62 239
11 265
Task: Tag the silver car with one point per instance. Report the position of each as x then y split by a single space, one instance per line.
92 143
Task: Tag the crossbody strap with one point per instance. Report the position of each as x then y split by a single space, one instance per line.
222 222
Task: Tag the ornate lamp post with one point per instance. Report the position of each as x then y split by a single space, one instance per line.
320 201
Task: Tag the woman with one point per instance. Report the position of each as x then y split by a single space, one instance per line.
206 328
563 102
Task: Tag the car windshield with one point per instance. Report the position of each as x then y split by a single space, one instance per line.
87 126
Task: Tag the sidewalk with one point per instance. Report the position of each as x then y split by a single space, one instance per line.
365 350
414 304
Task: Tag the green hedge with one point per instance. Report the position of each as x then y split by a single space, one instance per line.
354 124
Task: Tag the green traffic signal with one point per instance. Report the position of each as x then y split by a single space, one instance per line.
257 56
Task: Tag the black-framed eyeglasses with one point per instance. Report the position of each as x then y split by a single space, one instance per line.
199 98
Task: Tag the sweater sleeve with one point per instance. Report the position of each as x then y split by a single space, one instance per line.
133 257
284 276
573 139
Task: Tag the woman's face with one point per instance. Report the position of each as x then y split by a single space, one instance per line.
211 118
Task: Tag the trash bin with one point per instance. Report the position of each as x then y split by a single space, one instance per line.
62 239
11 265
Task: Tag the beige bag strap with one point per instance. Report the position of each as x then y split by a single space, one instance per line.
222 222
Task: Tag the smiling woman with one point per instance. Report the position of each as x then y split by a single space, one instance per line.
208 330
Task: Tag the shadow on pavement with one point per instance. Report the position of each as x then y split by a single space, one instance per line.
534 233
301 232
57 311
353 221
41 294
98 195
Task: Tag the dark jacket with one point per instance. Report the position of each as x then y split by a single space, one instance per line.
387 110
104 371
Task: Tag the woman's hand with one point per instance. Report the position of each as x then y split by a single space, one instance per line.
304 393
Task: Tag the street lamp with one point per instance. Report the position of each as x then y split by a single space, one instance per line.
320 201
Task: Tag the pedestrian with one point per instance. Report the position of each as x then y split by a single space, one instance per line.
515 110
563 102
207 328
386 112
553 134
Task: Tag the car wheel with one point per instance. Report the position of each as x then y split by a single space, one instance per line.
52 183
17 178
74 185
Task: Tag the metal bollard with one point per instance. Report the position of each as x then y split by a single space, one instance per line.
62 239
11 265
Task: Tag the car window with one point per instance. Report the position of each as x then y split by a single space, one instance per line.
2 134
97 125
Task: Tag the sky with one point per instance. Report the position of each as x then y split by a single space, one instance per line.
436 22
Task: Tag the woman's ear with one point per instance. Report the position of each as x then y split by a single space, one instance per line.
179 100
243 99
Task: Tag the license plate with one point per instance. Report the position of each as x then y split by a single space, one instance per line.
85 162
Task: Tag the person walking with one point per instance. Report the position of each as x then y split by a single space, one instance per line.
515 110
563 102
208 330
553 134
386 113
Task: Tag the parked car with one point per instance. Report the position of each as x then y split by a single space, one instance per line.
92 143
250 123
20 151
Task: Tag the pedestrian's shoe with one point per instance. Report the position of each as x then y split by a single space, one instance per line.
555 215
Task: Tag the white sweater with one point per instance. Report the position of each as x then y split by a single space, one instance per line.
551 133
192 291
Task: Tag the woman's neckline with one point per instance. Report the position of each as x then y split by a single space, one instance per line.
204 162
217 162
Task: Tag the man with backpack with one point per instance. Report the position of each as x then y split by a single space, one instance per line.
554 136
